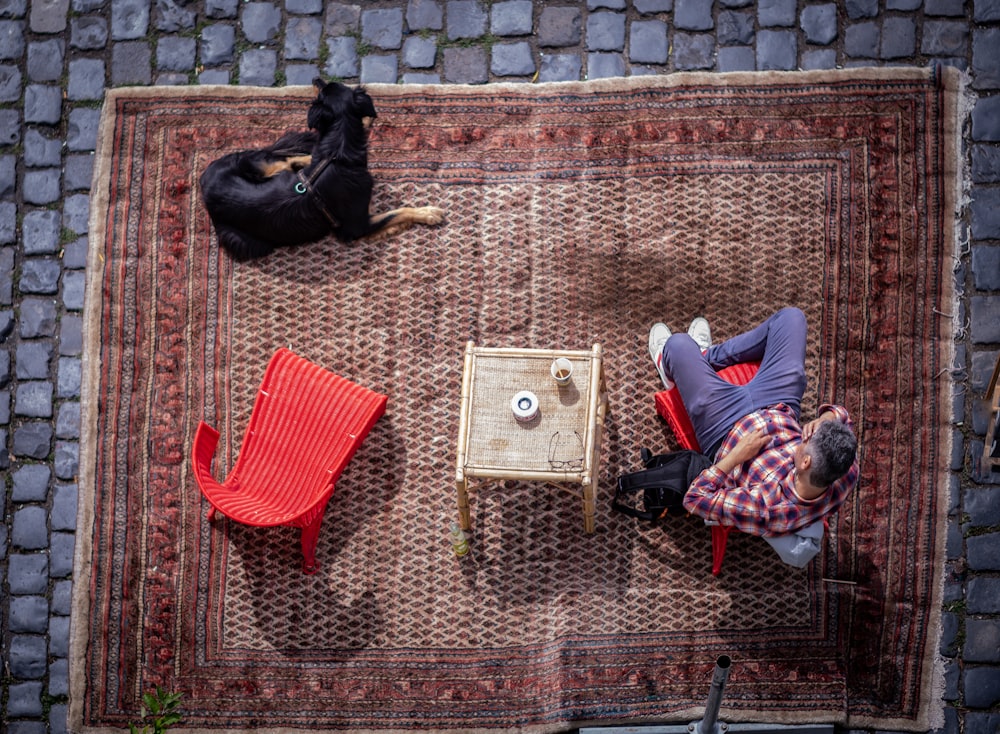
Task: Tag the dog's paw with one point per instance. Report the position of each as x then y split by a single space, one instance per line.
429 215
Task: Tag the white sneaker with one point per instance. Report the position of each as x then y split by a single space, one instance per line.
658 336
700 332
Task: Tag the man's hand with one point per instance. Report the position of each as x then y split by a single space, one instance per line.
748 447
810 428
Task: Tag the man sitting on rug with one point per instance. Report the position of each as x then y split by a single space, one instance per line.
771 475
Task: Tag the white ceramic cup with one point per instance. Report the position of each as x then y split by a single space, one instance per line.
524 406
562 370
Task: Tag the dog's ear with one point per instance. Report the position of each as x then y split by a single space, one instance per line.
319 117
319 83
363 104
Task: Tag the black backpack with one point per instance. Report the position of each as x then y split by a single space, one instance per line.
660 487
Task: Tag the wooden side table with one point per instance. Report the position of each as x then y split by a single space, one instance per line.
561 446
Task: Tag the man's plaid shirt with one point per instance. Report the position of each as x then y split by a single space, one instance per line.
758 497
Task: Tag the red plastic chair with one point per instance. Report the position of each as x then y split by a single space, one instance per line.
671 407
306 425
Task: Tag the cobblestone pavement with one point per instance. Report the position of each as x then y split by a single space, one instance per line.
58 56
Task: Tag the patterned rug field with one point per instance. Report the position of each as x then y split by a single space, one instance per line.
575 214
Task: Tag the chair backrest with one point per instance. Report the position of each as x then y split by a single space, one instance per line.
307 421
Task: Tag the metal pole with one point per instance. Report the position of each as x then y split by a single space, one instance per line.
708 724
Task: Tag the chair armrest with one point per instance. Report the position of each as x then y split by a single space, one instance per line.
206 439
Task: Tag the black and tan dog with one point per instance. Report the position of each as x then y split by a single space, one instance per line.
307 185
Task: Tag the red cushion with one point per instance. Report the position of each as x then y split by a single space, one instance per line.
670 406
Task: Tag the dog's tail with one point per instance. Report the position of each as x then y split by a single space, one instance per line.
240 245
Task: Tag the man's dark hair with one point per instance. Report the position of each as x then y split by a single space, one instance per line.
833 448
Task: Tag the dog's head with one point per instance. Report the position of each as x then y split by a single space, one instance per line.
336 101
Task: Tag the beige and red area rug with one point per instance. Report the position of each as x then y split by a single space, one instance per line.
576 213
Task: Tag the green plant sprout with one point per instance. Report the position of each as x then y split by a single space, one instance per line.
161 708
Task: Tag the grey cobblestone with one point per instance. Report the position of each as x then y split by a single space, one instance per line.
985 11
985 164
648 42
10 131
982 687
465 19
986 267
983 595
986 119
31 483
64 499
857 9
45 60
737 59
465 66
41 186
68 381
511 18
342 59
342 18
70 335
33 399
78 170
560 68
33 359
10 83
861 40
945 38
694 15
648 7
302 38
172 16
88 33
985 211
25 699
258 67
382 68
383 28
899 37
129 19
29 529
512 59
986 58
984 552
560 27
218 44
29 613
605 32
776 12
42 104
261 22
605 65
40 232
131 63
419 53
736 28
175 53
11 39
304 7
40 276
61 555
62 598
776 50
221 9
86 80
693 51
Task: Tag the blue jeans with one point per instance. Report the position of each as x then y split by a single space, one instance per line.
715 405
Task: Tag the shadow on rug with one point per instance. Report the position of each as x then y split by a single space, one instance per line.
576 213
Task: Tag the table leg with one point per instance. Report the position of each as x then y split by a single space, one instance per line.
589 504
463 504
